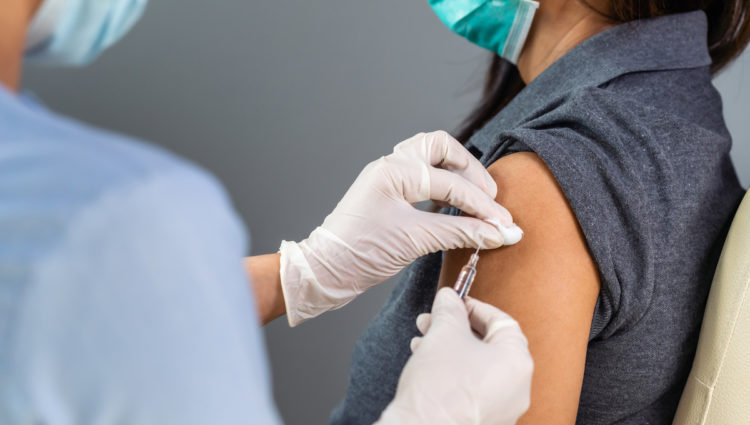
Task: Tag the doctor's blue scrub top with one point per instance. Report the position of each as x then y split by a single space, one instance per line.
123 298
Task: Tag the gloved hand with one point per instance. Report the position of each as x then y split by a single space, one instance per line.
456 377
375 230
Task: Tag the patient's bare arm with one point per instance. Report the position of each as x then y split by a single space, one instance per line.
548 282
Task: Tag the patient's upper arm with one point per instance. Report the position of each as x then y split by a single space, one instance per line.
548 282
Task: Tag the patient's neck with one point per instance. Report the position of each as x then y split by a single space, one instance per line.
14 19
559 25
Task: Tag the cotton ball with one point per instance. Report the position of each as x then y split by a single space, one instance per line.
511 235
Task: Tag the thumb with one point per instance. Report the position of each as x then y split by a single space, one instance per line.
448 312
491 323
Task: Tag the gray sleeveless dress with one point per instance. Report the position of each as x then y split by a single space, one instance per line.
632 129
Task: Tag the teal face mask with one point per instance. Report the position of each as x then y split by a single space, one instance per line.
75 32
497 25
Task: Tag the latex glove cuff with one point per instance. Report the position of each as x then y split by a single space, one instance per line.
302 270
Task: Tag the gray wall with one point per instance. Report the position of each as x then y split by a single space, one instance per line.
285 102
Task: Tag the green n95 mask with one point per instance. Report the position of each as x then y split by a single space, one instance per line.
497 25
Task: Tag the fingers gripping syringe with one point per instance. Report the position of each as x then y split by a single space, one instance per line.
466 277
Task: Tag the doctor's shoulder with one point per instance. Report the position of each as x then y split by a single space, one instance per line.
55 171
111 253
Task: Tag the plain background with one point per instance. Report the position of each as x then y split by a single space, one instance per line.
285 102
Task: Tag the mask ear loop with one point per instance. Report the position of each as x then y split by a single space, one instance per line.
519 30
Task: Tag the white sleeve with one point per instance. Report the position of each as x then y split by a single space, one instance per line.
143 315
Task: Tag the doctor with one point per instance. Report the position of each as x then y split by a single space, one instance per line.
123 299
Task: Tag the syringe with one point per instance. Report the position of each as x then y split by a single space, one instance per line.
466 277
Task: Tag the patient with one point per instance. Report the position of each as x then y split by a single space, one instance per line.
609 147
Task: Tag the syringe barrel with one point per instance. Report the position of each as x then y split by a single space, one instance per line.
464 281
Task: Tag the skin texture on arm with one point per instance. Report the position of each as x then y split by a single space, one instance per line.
263 272
548 282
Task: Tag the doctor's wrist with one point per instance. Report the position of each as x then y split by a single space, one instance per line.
263 273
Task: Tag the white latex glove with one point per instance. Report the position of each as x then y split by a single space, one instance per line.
458 376
375 231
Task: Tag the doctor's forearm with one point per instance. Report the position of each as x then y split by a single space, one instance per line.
263 273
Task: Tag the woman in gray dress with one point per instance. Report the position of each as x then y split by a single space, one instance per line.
608 144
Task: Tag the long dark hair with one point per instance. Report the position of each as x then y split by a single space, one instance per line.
728 34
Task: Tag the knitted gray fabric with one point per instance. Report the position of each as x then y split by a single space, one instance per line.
632 129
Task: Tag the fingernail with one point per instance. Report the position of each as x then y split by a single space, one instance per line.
495 222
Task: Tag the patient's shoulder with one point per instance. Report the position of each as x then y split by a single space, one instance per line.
527 187
551 259
548 281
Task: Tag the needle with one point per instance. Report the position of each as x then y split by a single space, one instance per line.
467 274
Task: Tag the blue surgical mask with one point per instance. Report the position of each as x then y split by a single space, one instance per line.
497 25
75 32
